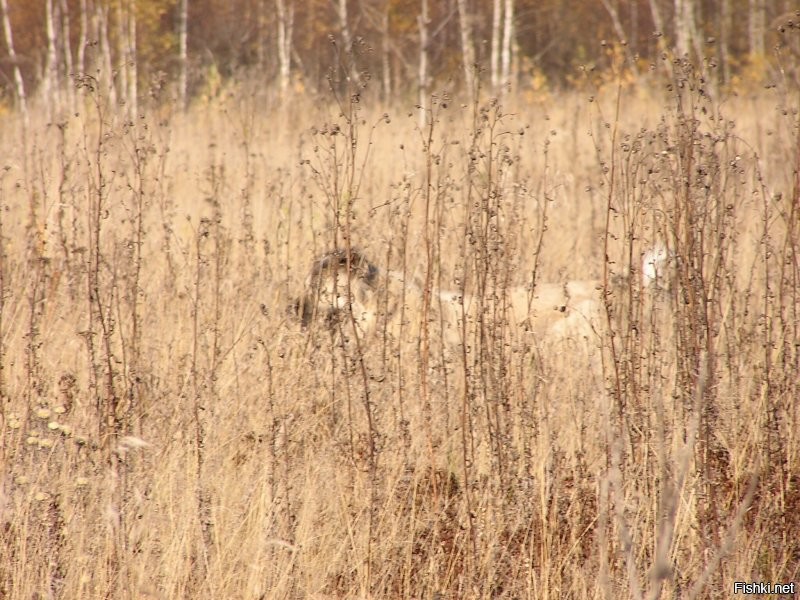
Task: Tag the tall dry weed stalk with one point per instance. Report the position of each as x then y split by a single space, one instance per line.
692 184
168 429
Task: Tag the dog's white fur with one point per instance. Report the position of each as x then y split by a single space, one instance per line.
386 301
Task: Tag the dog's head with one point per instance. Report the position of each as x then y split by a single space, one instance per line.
340 280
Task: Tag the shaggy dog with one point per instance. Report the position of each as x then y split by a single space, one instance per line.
346 288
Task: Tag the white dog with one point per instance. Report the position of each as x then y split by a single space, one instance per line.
345 288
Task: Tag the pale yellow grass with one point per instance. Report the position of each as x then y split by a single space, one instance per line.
277 462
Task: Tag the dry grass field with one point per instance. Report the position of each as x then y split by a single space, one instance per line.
169 430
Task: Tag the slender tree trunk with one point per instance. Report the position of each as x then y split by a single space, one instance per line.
661 39
12 55
757 25
83 37
686 36
122 51
611 9
494 59
133 76
682 28
344 23
183 39
261 35
423 63
107 75
467 49
386 57
658 22
724 34
508 43
51 88
696 16
285 27
347 40
69 67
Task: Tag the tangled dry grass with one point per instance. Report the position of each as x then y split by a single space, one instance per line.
168 431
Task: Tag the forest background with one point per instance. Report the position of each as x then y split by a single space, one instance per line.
410 47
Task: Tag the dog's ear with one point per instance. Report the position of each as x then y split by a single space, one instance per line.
301 309
363 268
656 267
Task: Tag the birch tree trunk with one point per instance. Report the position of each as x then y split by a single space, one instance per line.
686 35
757 25
508 45
12 55
682 28
183 39
467 49
133 76
724 34
285 26
51 86
106 74
423 63
660 34
69 67
695 16
122 50
83 37
386 57
347 40
344 23
494 59
261 35
620 31
656 14
612 12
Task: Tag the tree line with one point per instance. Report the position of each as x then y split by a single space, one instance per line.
133 47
